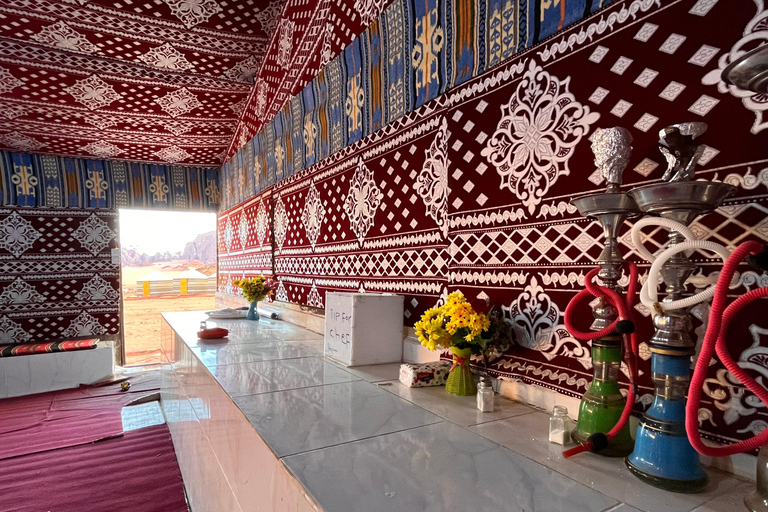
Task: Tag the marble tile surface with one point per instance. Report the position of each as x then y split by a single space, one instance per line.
373 372
306 419
221 354
246 461
461 410
207 488
436 468
358 440
528 436
265 376
731 499
142 415
187 323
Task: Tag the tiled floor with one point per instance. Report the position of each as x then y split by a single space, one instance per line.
143 415
357 439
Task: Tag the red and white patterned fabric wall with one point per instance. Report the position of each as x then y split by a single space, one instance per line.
306 37
57 278
470 192
371 219
245 242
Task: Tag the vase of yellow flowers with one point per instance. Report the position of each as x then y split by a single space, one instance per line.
457 327
254 290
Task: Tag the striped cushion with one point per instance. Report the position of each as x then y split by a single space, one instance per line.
25 349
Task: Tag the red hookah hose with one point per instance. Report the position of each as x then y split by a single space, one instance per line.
715 339
631 346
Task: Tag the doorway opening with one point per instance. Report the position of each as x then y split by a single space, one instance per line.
168 263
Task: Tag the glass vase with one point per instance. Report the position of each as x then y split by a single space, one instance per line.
252 313
460 381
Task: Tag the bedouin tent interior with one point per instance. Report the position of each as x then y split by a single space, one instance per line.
473 255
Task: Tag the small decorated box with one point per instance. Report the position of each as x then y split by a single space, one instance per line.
422 375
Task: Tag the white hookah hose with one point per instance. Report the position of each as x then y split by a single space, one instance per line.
649 294
657 221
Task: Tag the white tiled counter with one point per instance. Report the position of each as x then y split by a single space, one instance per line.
263 422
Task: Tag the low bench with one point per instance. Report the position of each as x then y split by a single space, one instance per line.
30 368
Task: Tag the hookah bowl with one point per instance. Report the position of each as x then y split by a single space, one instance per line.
663 456
602 404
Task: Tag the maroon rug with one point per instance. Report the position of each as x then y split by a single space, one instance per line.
66 418
137 472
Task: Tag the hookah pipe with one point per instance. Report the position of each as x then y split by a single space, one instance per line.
612 149
719 319
622 325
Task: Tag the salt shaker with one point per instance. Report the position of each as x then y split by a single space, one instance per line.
203 325
560 426
485 395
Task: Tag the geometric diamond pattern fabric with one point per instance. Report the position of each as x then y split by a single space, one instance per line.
245 242
105 78
58 280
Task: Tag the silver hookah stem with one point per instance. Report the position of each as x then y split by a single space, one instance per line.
612 148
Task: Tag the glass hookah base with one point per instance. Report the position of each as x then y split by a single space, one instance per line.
619 447
756 502
669 484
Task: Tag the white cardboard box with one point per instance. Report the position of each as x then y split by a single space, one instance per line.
363 328
415 352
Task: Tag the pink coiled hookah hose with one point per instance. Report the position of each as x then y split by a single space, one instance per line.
623 325
720 318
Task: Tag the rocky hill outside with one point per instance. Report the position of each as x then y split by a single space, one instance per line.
201 249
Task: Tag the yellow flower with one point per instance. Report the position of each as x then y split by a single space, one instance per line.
455 298
254 289
431 333
437 326
430 314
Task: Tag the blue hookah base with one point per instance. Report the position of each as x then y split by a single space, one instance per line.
669 484
663 455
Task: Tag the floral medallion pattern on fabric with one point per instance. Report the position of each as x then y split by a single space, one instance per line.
94 234
539 128
432 182
313 215
18 235
261 224
63 36
166 57
193 12
362 201
93 92
755 34
57 278
280 222
285 44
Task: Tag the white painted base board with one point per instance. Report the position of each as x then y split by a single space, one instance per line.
38 373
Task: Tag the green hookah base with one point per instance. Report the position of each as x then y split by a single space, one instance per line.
599 411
